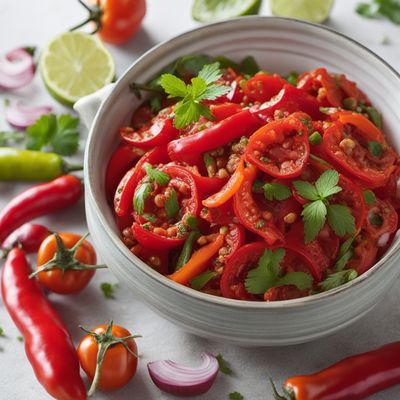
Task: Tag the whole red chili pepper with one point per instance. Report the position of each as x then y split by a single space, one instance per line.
39 200
353 378
28 236
48 344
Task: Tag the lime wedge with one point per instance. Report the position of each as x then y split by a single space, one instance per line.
217 10
308 10
75 64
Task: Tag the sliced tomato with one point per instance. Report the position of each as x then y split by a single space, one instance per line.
221 215
155 258
391 191
287 292
248 212
364 254
350 89
281 148
381 221
262 87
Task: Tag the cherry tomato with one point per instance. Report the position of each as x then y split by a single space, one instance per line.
119 365
70 281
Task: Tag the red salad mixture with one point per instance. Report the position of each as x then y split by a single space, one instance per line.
254 186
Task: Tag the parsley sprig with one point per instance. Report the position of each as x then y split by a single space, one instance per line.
267 274
200 88
319 207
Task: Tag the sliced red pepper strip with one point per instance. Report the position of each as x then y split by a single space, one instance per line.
149 239
229 189
122 159
261 87
126 188
280 148
248 212
189 149
225 110
198 262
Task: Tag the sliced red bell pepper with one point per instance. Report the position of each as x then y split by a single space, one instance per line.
190 148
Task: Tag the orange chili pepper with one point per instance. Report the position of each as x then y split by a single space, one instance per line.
370 131
228 190
198 262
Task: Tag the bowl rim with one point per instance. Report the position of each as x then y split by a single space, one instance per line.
183 290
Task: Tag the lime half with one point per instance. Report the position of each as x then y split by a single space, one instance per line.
308 10
218 10
75 64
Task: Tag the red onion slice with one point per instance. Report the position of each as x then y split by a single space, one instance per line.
16 69
184 381
21 116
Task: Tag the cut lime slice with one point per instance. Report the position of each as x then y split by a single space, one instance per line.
217 10
75 64
308 10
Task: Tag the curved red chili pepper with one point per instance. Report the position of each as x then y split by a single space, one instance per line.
190 148
48 344
355 378
126 188
122 159
39 200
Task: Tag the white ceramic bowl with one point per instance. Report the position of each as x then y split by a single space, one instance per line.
280 45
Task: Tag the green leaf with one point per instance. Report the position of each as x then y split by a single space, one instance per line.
306 190
375 148
258 186
205 111
140 196
173 86
301 280
210 73
314 215
154 174
249 66
315 138
367 10
375 219
149 217
326 183
337 279
172 204
197 88
198 282
223 365
235 396
66 139
369 197
341 220
292 78
213 92
192 222
373 115
41 132
186 112
345 254
108 290
276 191
6 136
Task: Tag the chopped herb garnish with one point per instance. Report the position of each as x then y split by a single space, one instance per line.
235 396
187 249
20 339
375 219
276 191
258 186
350 103
223 365
149 217
337 279
389 9
345 254
154 174
172 204
1 332
192 222
249 66
201 280
375 148
292 78
267 274
108 290
315 138
140 196
369 197
373 114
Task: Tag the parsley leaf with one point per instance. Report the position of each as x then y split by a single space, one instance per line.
276 191
140 196
60 134
172 204
267 274
249 66
5 137
154 174
306 190
337 279
345 254
223 365
235 396
313 214
389 9
199 281
341 220
201 88
369 197
326 184
108 290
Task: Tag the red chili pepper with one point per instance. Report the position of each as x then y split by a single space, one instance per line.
126 188
123 158
29 236
225 110
354 378
190 148
261 87
48 344
290 99
39 200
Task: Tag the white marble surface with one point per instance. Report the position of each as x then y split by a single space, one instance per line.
23 22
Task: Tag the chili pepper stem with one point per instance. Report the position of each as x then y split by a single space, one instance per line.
104 341
64 259
95 14
67 167
277 396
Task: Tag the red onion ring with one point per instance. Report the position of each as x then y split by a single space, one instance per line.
184 381
21 116
16 69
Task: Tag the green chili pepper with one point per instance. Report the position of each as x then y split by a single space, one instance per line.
28 165
187 249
